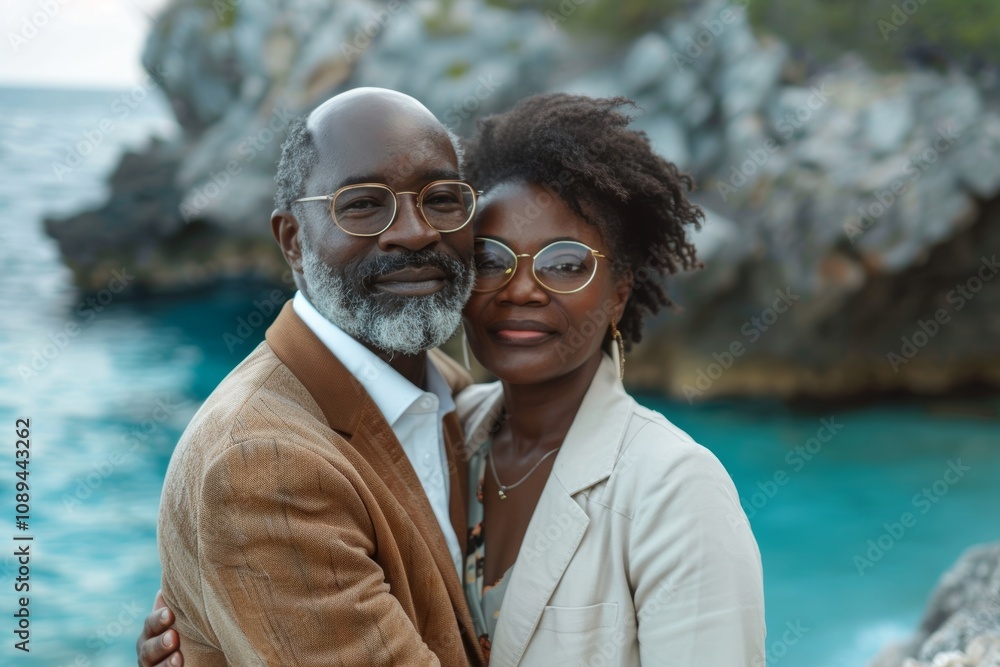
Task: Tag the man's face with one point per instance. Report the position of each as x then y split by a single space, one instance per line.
403 290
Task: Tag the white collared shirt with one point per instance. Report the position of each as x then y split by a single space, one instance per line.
413 414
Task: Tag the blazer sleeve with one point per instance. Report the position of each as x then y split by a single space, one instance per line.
694 565
285 552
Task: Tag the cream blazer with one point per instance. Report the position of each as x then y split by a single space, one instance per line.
638 552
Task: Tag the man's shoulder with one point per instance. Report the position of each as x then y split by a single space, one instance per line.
261 398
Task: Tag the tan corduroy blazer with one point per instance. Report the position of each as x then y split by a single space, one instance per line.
294 531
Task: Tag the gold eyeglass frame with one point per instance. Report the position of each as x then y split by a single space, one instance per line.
395 202
512 271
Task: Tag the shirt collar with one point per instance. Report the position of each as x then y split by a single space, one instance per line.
392 393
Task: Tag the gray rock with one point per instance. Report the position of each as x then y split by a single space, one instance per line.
881 173
888 122
819 152
713 98
977 164
667 137
698 109
722 246
955 104
646 63
597 84
957 633
744 133
961 626
706 150
678 86
737 40
686 53
747 82
798 111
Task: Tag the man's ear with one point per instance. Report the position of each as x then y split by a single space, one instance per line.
286 228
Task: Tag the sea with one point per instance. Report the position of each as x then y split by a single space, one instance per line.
857 510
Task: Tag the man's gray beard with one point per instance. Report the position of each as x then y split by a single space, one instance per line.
396 324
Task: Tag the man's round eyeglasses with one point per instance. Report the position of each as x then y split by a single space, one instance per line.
368 209
562 267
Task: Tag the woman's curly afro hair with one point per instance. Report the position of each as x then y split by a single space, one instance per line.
581 149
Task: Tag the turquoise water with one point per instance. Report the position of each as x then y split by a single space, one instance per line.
107 408
872 471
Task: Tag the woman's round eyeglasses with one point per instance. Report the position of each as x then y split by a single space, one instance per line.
368 209
562 267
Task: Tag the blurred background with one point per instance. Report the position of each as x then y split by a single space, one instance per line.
840 352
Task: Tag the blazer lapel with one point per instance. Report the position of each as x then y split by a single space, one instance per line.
458 475
558 524
350 411
382 450
338 394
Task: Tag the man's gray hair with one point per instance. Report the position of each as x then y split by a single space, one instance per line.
299 156
459 150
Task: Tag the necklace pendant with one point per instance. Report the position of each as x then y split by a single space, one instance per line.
503 496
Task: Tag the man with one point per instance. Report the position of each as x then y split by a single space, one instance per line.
313 513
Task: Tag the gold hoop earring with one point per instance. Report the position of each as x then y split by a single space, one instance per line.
617 335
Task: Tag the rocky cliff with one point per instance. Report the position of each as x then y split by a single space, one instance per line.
853 235
961 627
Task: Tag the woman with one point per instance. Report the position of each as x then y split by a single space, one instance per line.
600 534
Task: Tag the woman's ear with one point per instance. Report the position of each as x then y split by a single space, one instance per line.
285 228
623 291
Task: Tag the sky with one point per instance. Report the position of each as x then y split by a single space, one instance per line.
74 43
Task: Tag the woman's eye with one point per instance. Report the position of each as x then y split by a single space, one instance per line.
489 265
569 267
565 265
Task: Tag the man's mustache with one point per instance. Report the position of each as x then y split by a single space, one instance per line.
371 269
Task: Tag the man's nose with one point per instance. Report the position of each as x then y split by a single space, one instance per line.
409 229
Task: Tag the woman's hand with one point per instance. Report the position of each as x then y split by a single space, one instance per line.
159 645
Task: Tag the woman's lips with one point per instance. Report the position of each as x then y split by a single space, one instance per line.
521 332
517 336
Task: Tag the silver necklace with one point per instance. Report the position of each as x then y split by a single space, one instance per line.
503 488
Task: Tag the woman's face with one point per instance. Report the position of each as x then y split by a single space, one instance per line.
522 332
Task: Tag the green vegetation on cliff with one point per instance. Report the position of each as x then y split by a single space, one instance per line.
934 32
886 34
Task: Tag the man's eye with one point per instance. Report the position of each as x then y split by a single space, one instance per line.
441 199
359 206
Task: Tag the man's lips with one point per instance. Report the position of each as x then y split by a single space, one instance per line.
413 280
523 332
